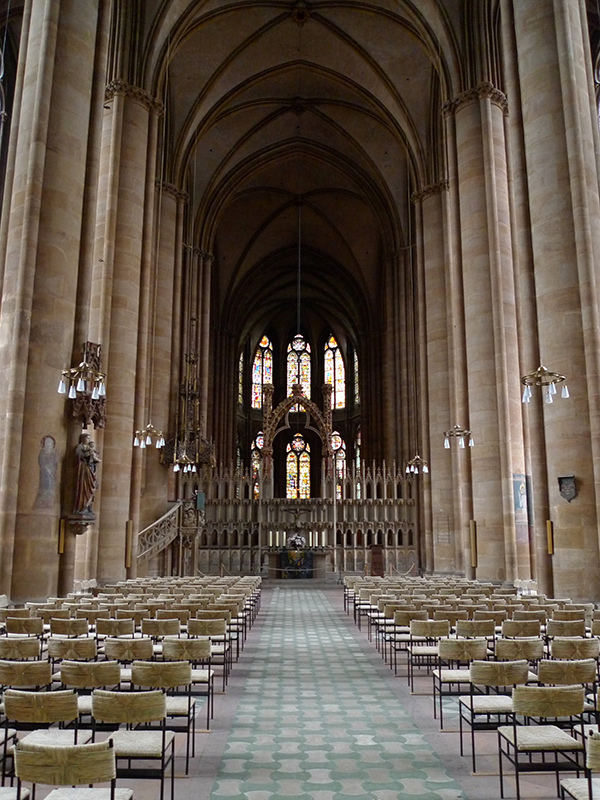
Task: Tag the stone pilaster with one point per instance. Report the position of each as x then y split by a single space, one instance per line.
561 140
490 329
42 229
127 154
439 540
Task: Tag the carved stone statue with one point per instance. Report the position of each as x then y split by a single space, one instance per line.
87 481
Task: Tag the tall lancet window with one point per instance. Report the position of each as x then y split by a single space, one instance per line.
298 366
339 458
335 373
262 370
241 380
257 446
297 468
356 384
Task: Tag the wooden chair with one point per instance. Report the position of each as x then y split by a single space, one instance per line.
68 767
135 747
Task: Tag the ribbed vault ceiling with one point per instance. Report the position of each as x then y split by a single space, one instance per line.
288 119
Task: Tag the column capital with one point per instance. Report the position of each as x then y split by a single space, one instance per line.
428 191
172 191
134 93
483 90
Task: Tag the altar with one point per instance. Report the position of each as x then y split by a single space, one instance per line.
297 563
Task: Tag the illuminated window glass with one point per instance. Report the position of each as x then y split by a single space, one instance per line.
339 460
241 380
257 446
335 373
262 370
298 366
357 462
297 468
356 390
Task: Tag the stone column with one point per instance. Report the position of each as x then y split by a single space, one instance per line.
116 303
535 452
164 351
561 141
43 222
490 331
205 338
145 333
439 546
457 358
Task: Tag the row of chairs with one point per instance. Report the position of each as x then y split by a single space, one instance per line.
139 687
538 690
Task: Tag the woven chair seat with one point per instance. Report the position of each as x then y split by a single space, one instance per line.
179 706
10 793
86 793
142 744
425 650
11 732
576 787
453 675
202 675
536 737
84 704
400 637
56 738
488 703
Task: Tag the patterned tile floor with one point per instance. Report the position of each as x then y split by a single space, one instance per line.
311 711
316 721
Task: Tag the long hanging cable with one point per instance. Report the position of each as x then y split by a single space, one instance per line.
299 270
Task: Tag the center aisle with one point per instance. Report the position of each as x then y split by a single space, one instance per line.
316 720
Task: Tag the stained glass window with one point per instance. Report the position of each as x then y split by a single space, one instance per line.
356 389
339 460
335 373
357 462
297 468
257 446
262 370
298 366
241 380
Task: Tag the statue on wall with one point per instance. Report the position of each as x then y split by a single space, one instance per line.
48 463
87 481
